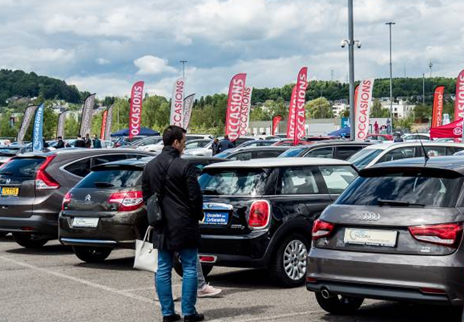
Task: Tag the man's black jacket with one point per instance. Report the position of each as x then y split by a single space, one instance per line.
181 200
80 143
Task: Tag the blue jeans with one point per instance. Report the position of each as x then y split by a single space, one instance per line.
189 281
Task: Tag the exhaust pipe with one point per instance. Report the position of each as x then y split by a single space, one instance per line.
326 294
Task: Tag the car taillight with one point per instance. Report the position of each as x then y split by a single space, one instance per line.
43 181
66 200
322 229
260 212
443 234
128 201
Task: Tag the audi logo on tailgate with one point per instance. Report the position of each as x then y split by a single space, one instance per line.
369 216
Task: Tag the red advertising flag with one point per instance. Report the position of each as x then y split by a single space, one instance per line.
355 98
459 101
135 116
291 115
437 111
451 130
300 115
275 123
103 129
362 109
234 106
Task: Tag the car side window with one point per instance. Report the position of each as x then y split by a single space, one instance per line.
435 151
241 156
398 154
267 154
337 178
320 153
97 160
344 152
299 180
453 150
79 168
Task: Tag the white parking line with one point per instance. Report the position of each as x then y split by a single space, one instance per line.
79 280
281 316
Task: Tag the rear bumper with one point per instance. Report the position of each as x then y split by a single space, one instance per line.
37 224
249 250
387 276
120 230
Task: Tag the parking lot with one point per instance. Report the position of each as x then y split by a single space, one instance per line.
51 284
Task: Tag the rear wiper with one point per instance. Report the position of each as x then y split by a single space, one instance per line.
103 184
398 203
210 192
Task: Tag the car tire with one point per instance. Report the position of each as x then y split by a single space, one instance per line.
30 240
178 268
288 267
92 254
338 304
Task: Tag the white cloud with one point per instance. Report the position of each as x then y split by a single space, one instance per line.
103 84
103 61
151 65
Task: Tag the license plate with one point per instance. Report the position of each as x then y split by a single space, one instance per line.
385 238
79 222
9 191
216 218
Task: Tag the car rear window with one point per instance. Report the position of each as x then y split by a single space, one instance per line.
293 152
21 167
233 182
361 159
114 178
403 189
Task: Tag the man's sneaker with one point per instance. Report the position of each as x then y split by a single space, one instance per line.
208 291
171 318
193 318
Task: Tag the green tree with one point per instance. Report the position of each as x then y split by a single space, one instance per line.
319 108
378 111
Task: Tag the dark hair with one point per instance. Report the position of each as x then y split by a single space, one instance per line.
172 133
226 137
79 136
59 138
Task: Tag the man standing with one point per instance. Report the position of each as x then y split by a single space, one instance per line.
215 146
88 141
79 142
182 207
225 144
60 143
96 142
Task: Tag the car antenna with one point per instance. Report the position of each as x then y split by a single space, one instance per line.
426 156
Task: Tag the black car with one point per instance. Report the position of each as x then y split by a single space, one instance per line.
341 150
105 210
255 152
32 187
259 213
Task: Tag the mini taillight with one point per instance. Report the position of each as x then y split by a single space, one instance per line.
429 290
260 212
208 259
128 200
443 234
66 200
43 181
322 229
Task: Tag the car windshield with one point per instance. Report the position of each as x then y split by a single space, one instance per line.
293 152
233 182
361 159
112 178
402 189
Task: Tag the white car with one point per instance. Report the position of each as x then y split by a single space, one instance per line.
378 153
416 137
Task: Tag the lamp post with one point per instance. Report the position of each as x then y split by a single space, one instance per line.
423 88
430 66
391 76
351 43
183 67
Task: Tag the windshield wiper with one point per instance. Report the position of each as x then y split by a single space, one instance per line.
210 192
103 184
382 202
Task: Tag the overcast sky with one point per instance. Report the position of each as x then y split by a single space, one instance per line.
106 46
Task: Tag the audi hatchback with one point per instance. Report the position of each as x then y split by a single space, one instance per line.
394 234
259 213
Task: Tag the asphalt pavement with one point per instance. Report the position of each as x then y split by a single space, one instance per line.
52 284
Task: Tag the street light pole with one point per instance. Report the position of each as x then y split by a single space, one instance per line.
183 67
430 66
423 88
391 77
351 67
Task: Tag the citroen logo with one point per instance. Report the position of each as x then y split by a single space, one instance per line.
88 198
369 216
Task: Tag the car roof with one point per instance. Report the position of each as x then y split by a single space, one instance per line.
143 161
70 151
385 146
443 163
261 148
277 162
337 143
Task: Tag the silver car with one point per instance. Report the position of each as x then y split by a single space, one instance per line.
394 234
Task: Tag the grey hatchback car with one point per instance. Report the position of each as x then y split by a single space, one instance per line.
32 187
394 234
